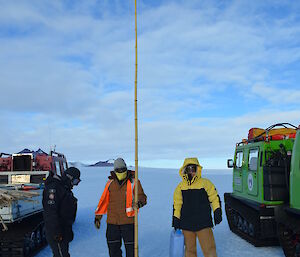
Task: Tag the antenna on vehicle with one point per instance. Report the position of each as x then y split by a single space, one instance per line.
50 137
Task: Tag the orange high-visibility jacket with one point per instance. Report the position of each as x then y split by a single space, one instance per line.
104 200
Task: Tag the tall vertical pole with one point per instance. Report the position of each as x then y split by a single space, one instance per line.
136 248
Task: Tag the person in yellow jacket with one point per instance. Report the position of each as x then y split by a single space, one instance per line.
194 198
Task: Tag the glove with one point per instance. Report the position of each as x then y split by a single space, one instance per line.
140 204
176 223
97 221
58 238
218 216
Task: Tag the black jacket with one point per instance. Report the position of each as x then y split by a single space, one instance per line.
60 208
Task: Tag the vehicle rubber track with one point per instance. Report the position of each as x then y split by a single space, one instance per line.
24 238
249 223
289 232
289 241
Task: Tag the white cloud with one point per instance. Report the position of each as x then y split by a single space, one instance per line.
279 96
67 76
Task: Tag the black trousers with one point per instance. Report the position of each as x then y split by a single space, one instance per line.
114 236
59 249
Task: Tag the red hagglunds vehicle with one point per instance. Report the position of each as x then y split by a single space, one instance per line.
22 177
28 160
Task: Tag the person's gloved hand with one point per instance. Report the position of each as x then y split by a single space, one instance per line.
140 204
176 223
97 221
58 238
218 216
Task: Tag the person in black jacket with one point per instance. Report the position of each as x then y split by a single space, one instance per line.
60 206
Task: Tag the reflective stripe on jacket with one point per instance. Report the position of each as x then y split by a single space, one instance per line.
104 200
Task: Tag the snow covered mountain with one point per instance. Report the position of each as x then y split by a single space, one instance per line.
108 163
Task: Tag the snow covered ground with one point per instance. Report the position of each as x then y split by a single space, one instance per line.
154 218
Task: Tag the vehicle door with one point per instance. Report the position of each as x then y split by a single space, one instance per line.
238 171
252 174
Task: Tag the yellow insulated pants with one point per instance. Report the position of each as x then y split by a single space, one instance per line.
206 241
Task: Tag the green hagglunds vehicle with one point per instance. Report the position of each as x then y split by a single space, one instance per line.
264 207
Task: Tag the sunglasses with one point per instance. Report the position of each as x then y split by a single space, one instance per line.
120 170
191 168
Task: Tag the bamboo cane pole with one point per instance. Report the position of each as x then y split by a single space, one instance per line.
136 248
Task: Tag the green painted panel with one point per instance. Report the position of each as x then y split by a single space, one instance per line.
252 186
238 181
295 174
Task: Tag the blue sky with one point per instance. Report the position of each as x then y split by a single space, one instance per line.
208 71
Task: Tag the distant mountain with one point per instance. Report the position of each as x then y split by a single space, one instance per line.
107 163
76 164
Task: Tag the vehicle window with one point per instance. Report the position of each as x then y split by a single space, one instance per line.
253 158
65 165
239 159
57 167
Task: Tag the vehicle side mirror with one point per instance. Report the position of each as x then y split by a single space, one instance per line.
230 163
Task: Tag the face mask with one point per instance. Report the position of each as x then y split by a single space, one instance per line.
190 176
75 181
121 175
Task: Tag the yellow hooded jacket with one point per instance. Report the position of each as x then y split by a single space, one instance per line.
194 199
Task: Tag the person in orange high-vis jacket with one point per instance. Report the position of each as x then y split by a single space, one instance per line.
117 201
